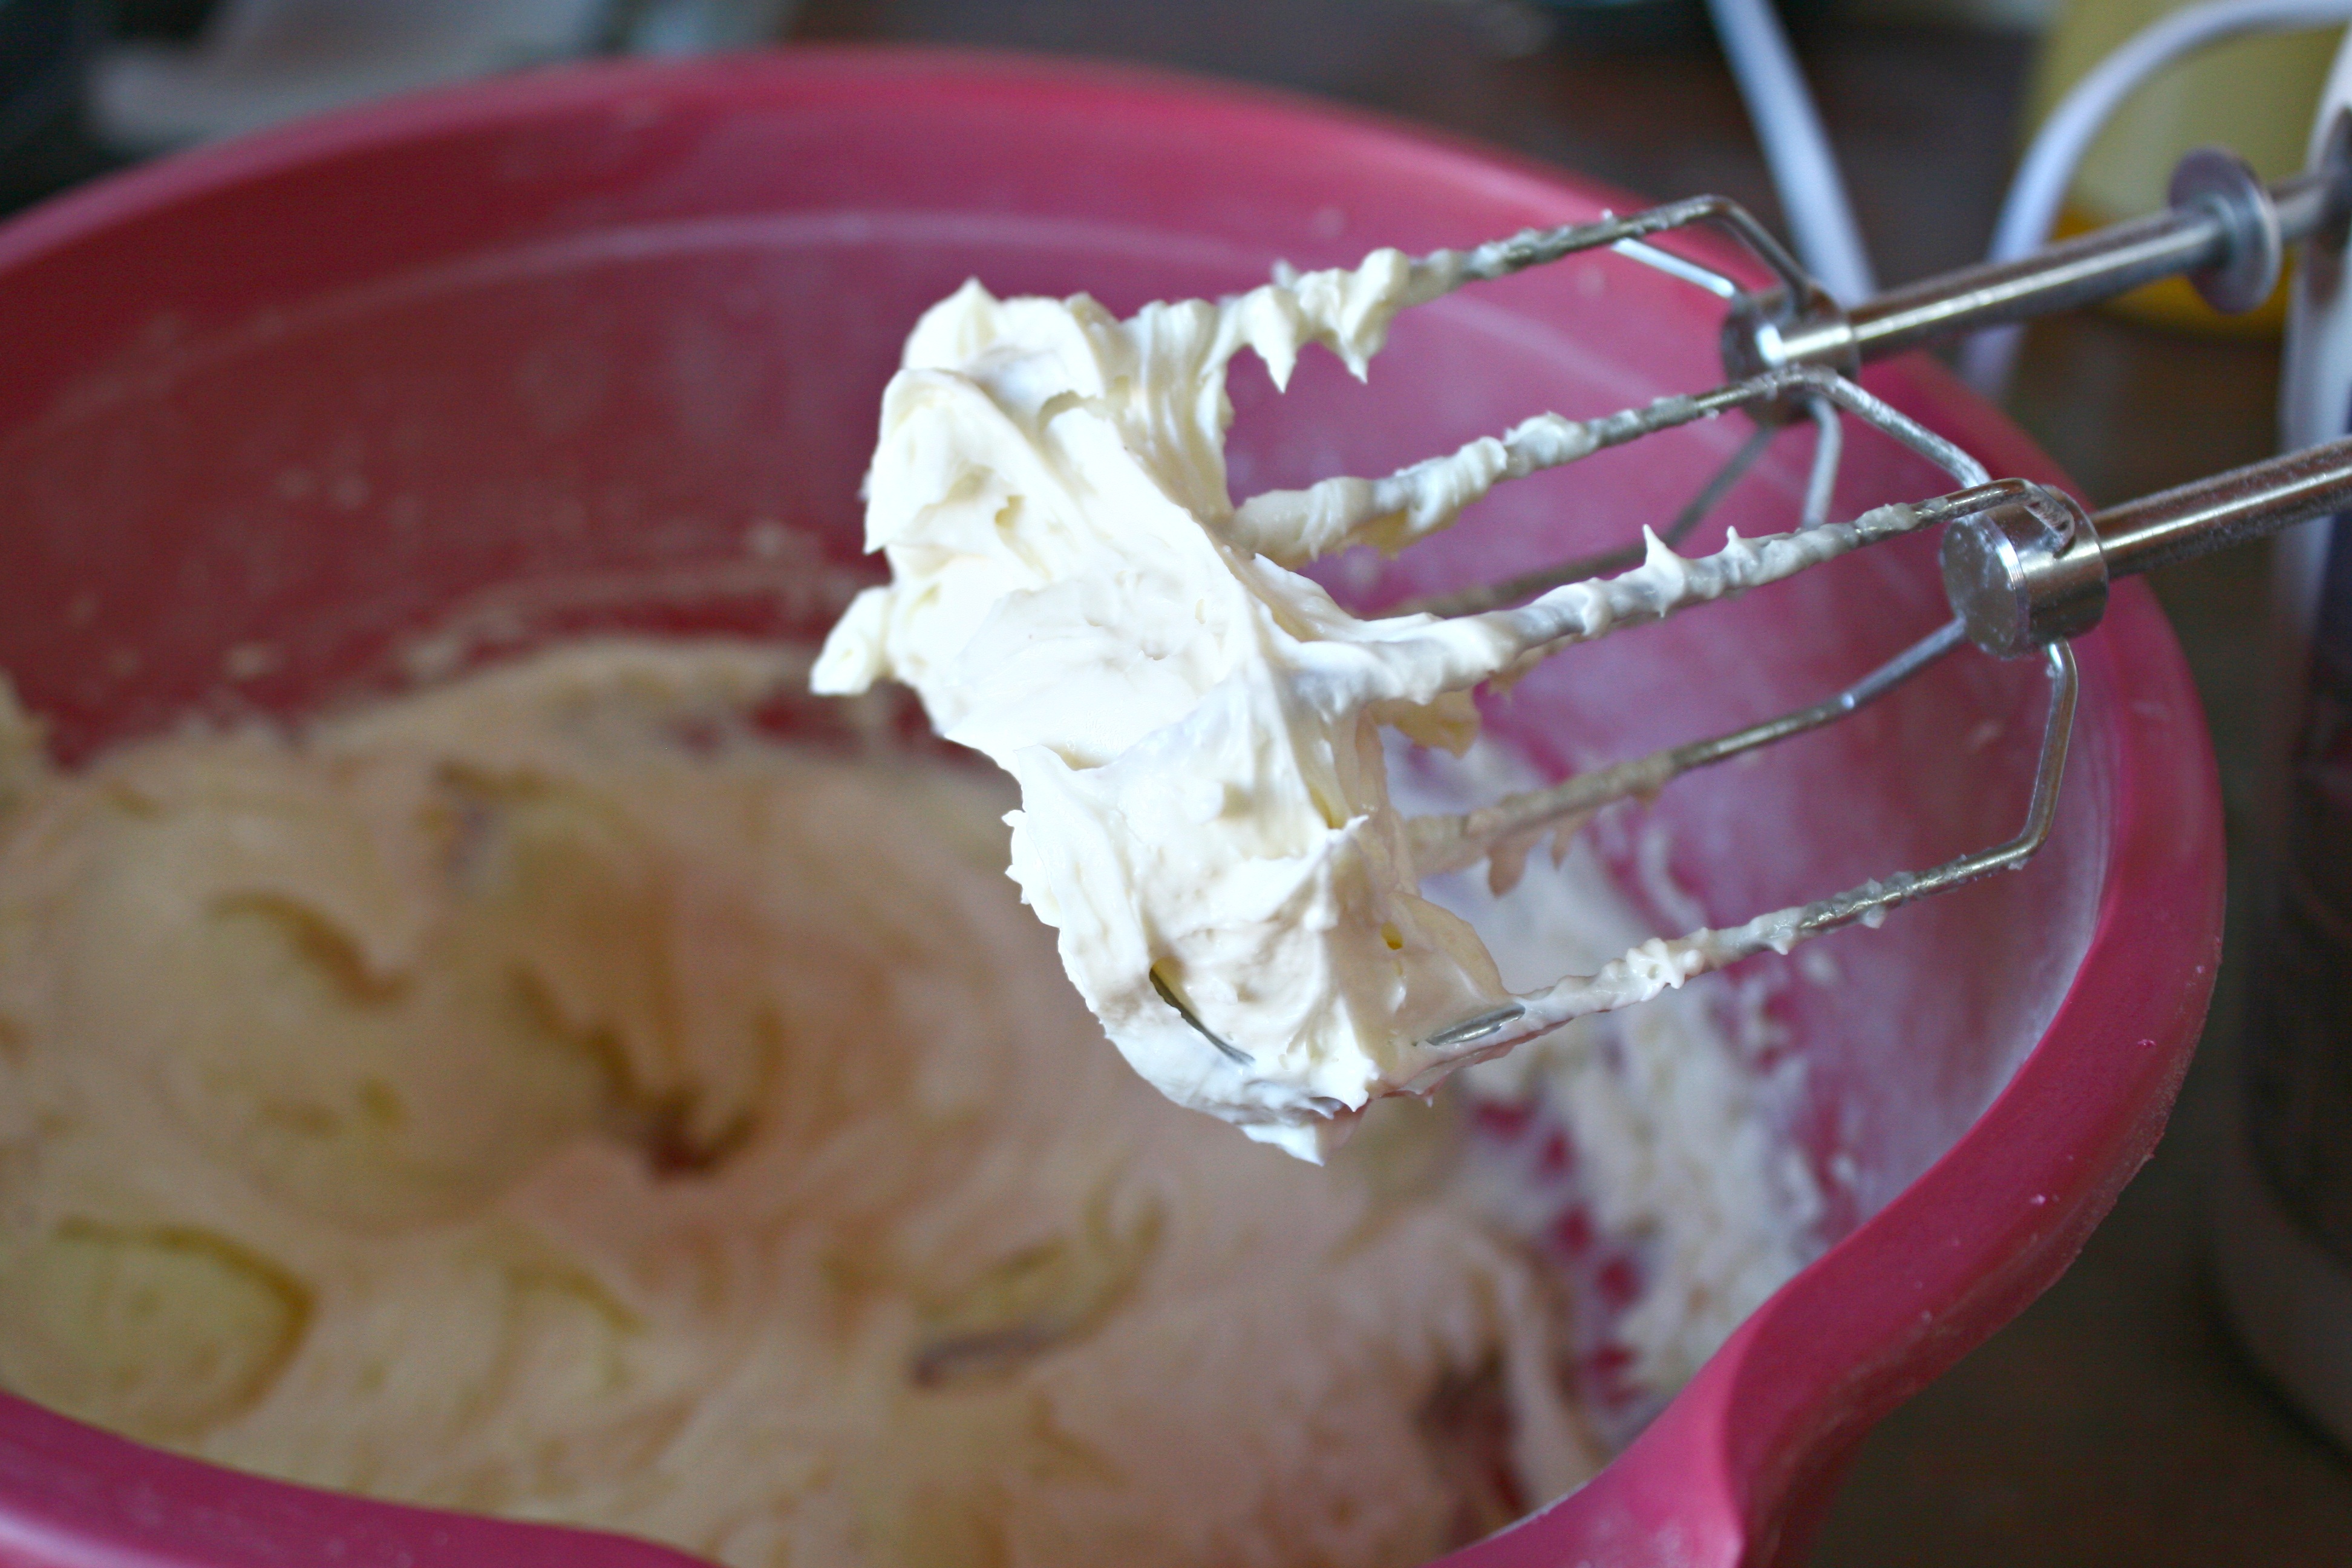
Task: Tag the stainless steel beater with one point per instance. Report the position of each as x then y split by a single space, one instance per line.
2025 566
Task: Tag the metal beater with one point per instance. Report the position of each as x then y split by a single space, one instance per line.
2025 567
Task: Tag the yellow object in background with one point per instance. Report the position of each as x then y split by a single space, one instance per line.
2255 96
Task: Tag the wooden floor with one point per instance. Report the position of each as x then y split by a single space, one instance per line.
2114 1424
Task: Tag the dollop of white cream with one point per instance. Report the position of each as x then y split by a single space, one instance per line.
1194 727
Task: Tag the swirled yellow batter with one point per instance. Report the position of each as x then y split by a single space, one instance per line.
545 1095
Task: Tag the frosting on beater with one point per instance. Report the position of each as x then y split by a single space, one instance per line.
1194 726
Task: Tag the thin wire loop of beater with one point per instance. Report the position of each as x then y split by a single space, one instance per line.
1468 649
1695 273
1623 981
1829 452
1450 843
1168 994
1538 247
1527 584
1627 235
1821 482
1799 383
1500 833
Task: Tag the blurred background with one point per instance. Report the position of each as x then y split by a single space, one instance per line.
2117 1422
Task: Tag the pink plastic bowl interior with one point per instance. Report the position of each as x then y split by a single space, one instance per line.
593 333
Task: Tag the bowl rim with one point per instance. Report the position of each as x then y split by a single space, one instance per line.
1740 1464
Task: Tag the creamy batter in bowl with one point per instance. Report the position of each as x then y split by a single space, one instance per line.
545 1095
574 396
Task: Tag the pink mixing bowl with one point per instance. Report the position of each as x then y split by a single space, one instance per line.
603 347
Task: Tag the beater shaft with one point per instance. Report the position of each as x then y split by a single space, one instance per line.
2229 508
2081 271
2235 227
2029 566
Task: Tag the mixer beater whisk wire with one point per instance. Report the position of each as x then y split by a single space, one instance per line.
2024 567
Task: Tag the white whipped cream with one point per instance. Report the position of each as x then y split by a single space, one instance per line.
1196 728
1072 597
